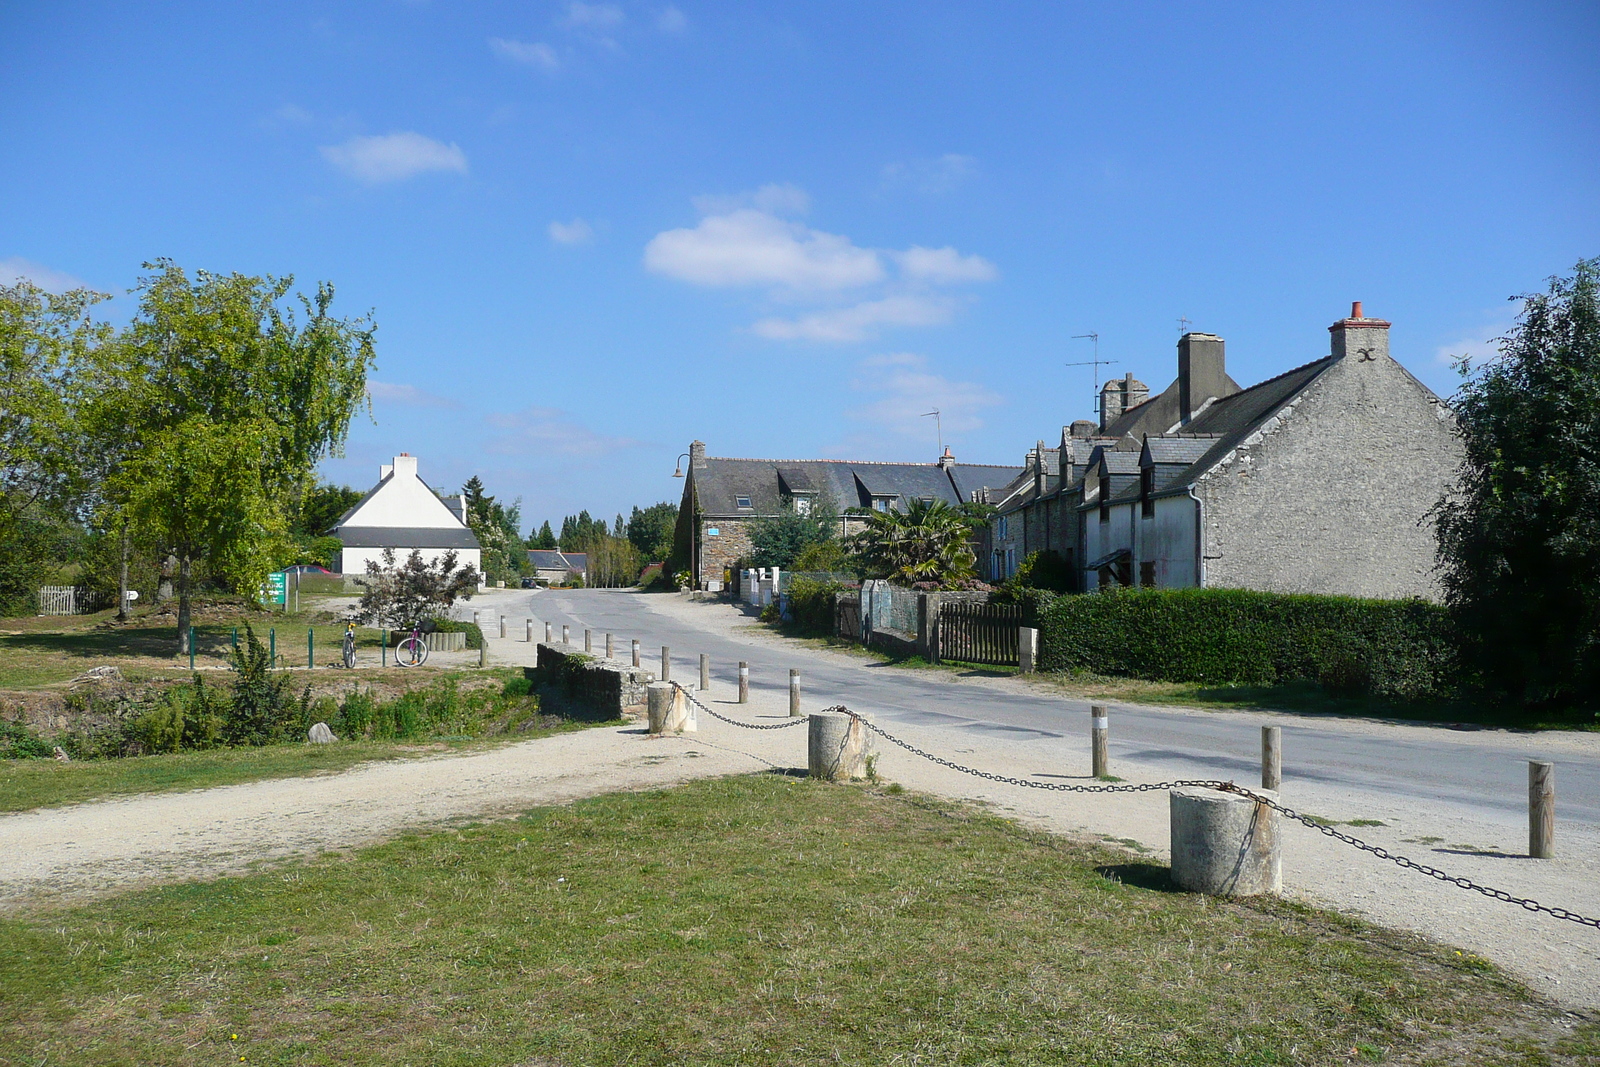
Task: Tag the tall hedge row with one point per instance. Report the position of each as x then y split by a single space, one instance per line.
1390 648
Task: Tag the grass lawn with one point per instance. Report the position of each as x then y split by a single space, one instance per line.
46 650
45 783
751 920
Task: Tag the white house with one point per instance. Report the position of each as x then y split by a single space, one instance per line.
401 512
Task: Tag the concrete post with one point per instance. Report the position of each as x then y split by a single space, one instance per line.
548 638
744 682
588 640
1541 810
610 651
635 651
530 631
483 654
668 710
837 746
794 691
1027 649
1099 740
502 627
1271 757
705 672
666 663
566 634
1225 844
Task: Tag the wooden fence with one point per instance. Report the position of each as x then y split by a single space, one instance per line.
979 633
847 615
58 600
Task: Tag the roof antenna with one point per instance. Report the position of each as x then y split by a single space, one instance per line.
1184 322
938 425
1096 363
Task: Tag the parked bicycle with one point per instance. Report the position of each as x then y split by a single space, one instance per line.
347 653
413 650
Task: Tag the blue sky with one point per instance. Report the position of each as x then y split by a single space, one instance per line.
591 232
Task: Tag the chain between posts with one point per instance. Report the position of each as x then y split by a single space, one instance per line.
735 722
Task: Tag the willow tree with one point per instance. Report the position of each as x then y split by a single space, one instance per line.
1519 540
234 390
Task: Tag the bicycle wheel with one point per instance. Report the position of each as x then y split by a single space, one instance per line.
349 652
412 652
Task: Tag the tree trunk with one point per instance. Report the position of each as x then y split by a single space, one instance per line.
183 604
122 577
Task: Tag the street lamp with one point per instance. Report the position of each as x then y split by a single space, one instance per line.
679 472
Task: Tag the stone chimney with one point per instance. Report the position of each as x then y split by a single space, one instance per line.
1083 428
946 461
697 455
1038 470
1120 394
1360 336
1202 372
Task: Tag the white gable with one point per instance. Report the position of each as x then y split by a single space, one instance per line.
402 499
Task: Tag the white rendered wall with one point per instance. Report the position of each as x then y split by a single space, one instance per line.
404 500
353 561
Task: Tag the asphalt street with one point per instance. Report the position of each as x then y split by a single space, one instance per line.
1484 773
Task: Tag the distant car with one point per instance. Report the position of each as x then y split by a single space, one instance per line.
529 583
306 568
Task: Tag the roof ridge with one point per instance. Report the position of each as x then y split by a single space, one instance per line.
855 462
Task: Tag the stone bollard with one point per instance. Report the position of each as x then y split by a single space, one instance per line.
705 672
1225 844
1027 649
317 735
670 711
837 746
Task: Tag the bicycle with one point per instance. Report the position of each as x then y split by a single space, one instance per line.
347 653
413 651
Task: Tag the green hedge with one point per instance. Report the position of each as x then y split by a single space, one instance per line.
1389 648
811 605
452 626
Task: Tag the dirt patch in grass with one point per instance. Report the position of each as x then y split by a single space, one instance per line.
752 920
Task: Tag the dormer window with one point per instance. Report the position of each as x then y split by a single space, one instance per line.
881 503
742 501
802 505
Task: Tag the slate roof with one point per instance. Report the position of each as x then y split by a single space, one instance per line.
546 559
1157 415
720 483
405 537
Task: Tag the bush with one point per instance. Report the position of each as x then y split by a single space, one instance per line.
180 718
1387 648
471 629
811 605
19 742
262 710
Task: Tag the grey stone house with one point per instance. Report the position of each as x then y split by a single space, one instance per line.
722 496
1319 480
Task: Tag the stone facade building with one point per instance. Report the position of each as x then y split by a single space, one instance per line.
1317 481
722 496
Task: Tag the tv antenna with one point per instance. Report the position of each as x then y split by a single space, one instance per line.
938 425
1184 323
1096 362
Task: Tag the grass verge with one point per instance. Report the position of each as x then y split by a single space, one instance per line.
754 920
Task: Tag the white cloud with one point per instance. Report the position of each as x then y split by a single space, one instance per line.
774 199
292 113
750 247
930 177
576 232
410 395
15 269
533 54
671 20
906 390
391 157
944 266
1480 346
536 432
860 322
599 17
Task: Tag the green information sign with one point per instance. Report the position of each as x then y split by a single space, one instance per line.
277 588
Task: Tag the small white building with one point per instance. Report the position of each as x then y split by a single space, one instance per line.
401 512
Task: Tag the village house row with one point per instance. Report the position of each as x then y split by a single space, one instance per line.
1319 480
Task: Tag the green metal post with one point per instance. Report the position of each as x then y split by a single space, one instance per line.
311 649
191 648
236 639
272 648
384 644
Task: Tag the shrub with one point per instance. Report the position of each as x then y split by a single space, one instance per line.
1389 648
19 742
357 712
811 605
180 718
262 710
471 629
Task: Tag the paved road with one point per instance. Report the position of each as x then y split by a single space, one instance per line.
1484 772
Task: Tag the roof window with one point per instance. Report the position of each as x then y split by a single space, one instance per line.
742 501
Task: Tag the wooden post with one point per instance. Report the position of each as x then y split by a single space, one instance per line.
635 651
1100 729
530 631
483 654
666 663
744 682
502 627
1541 810
794 691
705 672
588 640
477 621
609 652
1271 757
566 634
548 639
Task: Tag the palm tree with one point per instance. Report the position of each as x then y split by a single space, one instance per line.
928 542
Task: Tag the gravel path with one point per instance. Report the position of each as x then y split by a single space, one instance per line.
90 849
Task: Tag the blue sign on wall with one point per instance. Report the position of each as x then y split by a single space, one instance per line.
712 531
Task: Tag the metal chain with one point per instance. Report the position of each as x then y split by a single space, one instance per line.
736 722
1327 831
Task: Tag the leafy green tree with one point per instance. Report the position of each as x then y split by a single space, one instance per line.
651 530
1519 538
225 389
928 542
544 539
497 529
775 541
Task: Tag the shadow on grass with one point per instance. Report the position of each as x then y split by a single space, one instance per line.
789 772
1151 876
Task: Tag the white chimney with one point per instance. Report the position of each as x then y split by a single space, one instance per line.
405 465
384 470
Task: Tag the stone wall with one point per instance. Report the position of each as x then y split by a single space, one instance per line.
611 688
1331 495
724 551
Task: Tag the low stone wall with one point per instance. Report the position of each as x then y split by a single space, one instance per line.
610 688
